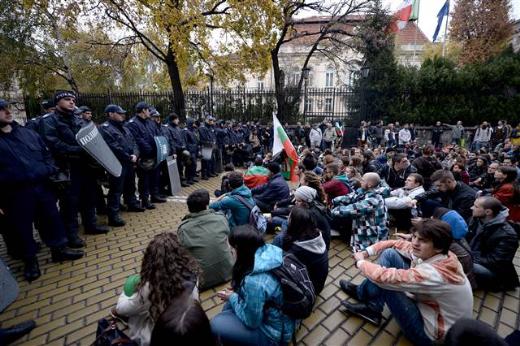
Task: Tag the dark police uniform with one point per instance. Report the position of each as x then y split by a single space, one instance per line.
177 145
58 130
192 145
122 143
144 131
25 167
222 146
208 139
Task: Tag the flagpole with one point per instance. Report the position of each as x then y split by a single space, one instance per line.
446 31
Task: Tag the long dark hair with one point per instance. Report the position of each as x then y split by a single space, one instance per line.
184 322
245 240
166 267
511 178
302 226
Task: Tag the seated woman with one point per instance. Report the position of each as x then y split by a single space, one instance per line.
183 323
508 191
167 271
250 315
306 242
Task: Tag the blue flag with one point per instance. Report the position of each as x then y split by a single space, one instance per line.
444 11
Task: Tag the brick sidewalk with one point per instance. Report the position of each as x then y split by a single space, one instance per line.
69 298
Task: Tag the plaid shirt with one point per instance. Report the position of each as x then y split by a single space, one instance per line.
368 212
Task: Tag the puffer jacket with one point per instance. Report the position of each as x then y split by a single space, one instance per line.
275 190
258 288
236 212
494 244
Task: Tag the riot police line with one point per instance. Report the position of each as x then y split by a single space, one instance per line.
62 158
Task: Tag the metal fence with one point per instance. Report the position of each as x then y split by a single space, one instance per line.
240 104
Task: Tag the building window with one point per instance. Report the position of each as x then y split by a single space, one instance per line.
329 79
260 84
328 104
308 105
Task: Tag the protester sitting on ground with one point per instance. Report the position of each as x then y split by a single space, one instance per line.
403 198
410 278
367 209
333 186
250 315
237 203
257 174
167 270
448 193
183 323
508 191
427 164
493 243
224 184
276 189
306 242
473 332
459 172
396 173
477 171
204 233
311 164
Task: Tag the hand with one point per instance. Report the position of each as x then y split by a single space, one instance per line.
403 236
2 212
412 203
133 158
225 294
358 256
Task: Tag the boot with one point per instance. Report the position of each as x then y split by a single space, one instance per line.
158 199
145 203
116 221
75 242
364 311
96 229
349 288
10 335
135 208
185 184
31 271
63 253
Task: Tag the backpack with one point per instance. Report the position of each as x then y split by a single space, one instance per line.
256 218
298 291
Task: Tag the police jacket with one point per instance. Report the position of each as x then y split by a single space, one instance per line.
59 130
207 135
119 139
34 123
24 158
191 138
175 137
144 131
222 137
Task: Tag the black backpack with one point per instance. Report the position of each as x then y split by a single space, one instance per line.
298 291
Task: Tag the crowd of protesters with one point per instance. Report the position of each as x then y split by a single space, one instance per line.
456 207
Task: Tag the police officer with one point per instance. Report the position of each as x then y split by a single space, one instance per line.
222 145
123 145
177 144
59 129
208 140
144 129
34 123
25 167
85 113
192 145
159 181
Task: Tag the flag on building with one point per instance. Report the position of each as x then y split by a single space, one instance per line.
281 142
407 11
443 12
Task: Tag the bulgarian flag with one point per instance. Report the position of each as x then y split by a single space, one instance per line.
407 11
281 143
256 176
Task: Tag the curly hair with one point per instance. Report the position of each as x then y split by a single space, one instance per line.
313 180
166 266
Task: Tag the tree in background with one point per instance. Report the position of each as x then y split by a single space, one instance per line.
482 27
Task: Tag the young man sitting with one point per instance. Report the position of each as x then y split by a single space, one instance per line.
402 200
275 190
493 244
422 284
204 233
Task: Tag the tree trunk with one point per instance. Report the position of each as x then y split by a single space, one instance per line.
179 104
279 86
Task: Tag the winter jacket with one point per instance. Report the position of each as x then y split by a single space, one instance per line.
275 190
258 288
315 135
505 193
396 179
401 198
208 136
321 216
438 285
494 244
236 212
135 305
314 255
461 199
24 158
205 236
144 131
120 140
404 136
369 215
329 135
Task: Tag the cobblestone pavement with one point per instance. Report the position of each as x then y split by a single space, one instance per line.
69 298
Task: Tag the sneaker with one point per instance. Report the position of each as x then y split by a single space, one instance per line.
362 310
349 288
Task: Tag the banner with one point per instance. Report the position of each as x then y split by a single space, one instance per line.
162 149
92 142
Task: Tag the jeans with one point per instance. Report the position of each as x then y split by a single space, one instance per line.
402 308
230 330
485 277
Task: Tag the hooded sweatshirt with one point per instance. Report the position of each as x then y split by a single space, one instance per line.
237 213
438 285
258 288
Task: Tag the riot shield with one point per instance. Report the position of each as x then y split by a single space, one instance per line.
93 143
162 149
8 286
173 174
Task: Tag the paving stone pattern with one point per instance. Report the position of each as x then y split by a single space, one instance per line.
69 298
